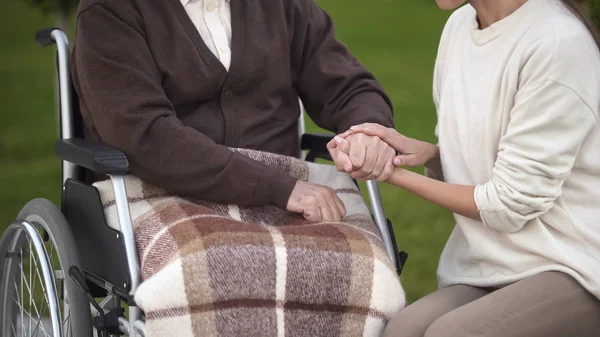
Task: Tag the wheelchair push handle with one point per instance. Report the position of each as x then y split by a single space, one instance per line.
44 36
55 36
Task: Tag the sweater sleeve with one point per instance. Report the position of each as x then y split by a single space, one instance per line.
547 127
337 91
121 87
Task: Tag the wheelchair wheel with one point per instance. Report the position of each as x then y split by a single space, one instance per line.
37 296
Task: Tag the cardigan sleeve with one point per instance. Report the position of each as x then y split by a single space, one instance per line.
337 91
121 88
547 127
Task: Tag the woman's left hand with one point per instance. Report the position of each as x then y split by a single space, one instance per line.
413 152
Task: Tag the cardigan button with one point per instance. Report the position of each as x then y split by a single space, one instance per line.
227 91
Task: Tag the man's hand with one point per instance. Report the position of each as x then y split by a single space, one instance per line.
366 157
341 158
316 202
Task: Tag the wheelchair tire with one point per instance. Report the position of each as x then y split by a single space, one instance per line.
59 249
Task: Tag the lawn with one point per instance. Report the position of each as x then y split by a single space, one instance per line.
397 40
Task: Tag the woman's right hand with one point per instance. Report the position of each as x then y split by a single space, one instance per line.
413 152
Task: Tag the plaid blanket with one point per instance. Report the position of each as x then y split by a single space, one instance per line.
222 270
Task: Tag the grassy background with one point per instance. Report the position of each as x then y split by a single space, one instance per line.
397 40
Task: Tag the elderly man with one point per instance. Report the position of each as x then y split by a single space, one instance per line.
175 83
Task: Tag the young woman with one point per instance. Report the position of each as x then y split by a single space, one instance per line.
517 91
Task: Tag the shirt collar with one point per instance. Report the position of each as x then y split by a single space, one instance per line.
185 2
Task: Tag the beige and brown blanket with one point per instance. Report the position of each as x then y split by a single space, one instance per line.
222 270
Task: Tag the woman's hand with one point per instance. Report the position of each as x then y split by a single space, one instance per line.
413 152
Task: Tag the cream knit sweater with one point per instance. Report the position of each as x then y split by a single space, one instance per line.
518 118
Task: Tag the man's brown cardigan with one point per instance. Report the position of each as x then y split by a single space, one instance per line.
151 88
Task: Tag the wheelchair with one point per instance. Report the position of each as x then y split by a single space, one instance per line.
65 272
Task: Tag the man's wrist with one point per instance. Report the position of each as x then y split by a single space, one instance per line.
434 152
434 162
376 118
274 188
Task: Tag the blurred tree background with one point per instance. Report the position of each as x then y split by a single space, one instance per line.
62 9
594 6
396 40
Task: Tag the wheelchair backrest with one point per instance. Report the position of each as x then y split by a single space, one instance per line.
75 123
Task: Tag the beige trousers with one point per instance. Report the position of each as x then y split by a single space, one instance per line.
549 304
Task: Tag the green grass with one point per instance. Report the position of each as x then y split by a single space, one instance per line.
397 40
28 126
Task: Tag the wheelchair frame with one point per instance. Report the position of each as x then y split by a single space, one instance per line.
78 198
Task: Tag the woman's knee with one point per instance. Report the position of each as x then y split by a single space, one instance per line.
407 323
448 325
412 321
415 319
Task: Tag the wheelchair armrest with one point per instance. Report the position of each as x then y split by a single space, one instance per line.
316 144
97 158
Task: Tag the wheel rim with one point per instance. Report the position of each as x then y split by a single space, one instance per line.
31 301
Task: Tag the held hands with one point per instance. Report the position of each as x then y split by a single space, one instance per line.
367 151
366 157
367 138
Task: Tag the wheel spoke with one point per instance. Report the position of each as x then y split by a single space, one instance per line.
23 310
14 329
37 326
68 322
33 284
37 311
18 300
21 299
41 313
30 315
44 331
29 286
45 297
